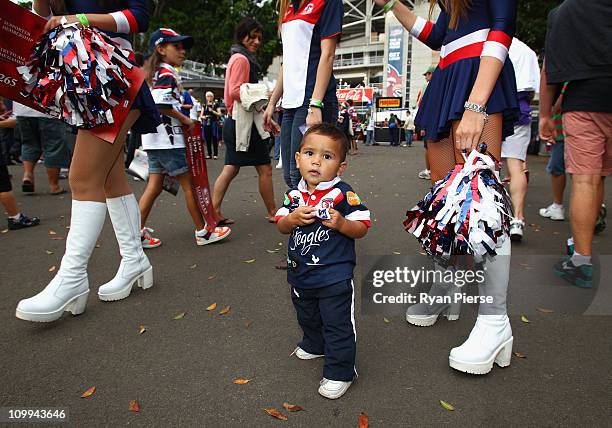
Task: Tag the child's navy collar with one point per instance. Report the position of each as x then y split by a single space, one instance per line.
324 185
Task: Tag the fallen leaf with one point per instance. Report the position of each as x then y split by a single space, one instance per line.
67 227
524 319
179 316
89 392
545 311
423 253
134 406
280 244
397 252
292 407
447 406
52 268
241 381
210 278
364 421
225 310
141 329
211 307
61 217
386 320
248 323
249 261
97 245
272 251
520 355
49 252
275 413
57 238
52 232
4 231
193 266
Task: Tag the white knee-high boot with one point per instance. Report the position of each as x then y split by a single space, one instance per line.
135 267
491 338
69 289
425 314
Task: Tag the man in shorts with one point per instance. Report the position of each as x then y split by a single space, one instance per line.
514 148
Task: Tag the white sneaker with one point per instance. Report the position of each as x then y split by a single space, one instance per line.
279 165
220 232
553 212
333 389
490 341
147 240
303 355
425 174
516 229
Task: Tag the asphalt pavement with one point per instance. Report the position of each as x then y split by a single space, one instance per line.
182 371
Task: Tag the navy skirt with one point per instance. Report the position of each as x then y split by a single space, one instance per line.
450 88
257 154
149 117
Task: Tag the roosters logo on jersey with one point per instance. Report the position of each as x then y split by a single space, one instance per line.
308 9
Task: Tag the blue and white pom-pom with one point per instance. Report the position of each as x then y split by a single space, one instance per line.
466 213
78 75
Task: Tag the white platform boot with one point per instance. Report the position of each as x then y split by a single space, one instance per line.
135 267
491 338
69 289
425 315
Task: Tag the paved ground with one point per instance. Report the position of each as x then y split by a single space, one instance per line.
181 371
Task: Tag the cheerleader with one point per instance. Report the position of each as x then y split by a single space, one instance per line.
471 99
97 177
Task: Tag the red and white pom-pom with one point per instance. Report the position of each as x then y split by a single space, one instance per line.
78 75
466 213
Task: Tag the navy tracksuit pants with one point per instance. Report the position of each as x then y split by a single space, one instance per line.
326 316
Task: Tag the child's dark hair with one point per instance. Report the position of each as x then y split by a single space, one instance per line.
245 27
331 131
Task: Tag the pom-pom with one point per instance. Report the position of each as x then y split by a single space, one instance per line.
78 75
466 213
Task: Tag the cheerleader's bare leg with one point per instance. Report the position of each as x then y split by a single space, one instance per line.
92 164
490 340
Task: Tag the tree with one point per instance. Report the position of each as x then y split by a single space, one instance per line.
211 23
531 21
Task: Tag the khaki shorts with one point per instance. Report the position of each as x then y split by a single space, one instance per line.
588 142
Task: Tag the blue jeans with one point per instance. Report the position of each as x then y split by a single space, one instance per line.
409 134
277 147
291 137
369 138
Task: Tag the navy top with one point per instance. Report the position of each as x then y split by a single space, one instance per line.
131 16
318 256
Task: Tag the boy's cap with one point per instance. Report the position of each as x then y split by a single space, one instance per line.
167 35
430 70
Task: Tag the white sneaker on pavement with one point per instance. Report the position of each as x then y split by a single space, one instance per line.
333 389
220 232
279 165
553 211
303 355
516 229
425 174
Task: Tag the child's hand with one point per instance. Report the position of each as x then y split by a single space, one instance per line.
336 220
303 216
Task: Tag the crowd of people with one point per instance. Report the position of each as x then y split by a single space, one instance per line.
474 96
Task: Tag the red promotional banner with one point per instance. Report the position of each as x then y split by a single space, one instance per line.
19 31
358 95
196 159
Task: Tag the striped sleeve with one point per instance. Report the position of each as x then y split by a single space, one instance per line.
133 19
503 24
292 198
429 33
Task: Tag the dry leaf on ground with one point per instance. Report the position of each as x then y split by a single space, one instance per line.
134 406
275 413
524 319
248 323
225 310
211 307
447 406
210 278
545 311
141 329
292 407
249 261
179 316
193 266
4 231
52 232
52 268
241 381
397 253
364 420
89 392
386 320
49 252
520 355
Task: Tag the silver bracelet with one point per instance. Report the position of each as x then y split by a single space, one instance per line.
475 107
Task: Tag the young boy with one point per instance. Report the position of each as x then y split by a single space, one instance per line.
324 217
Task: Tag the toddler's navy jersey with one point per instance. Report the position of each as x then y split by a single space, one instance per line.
317 255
